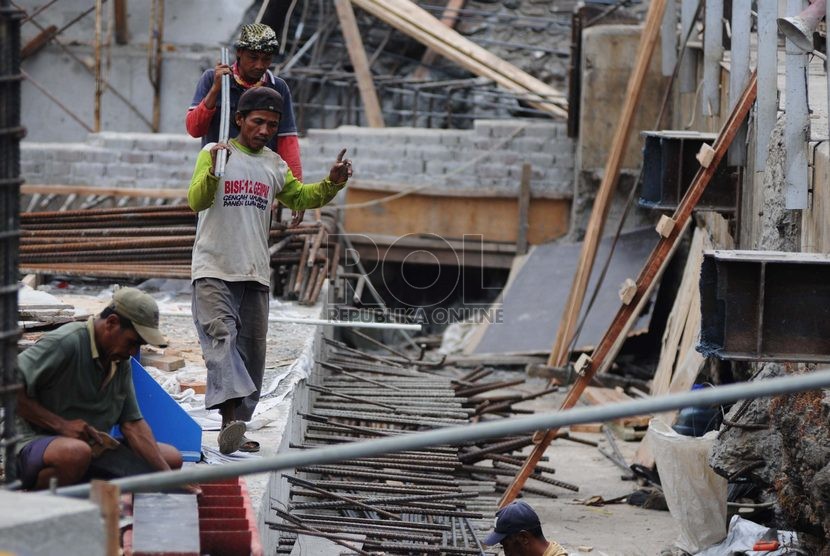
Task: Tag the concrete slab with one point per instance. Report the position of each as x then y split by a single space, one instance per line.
165 524
33 523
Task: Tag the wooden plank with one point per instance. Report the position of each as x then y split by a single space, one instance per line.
448 18
678 316
106 496
360 63
495 219
595 395
524 206
38 42
50 189
609 346
593 234
162 362
121 29
421 26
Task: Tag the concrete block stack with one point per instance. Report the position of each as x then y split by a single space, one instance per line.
108 159
444 158
488 158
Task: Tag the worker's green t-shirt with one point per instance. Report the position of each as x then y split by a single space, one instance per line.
62 372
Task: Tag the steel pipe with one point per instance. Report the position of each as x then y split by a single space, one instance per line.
469 432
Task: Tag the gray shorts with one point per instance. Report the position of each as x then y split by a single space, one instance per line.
231 319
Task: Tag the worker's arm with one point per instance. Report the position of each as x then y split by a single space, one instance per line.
41 366
300 196
141 441
200 113
33 412
203 184
288 147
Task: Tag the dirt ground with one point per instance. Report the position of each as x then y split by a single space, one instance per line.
613 529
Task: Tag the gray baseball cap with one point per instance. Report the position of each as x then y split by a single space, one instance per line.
142 311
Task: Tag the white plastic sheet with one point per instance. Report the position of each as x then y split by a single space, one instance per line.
743 534
695 494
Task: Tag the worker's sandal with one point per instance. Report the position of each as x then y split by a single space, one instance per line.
231 437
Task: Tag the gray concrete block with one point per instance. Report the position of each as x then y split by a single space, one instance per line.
122 171
45 524
132 157
544 131
491 171
112 140
86 170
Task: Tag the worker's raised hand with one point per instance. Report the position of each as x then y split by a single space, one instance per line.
342 169
218 71
215 149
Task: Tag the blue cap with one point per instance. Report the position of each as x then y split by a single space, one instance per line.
515 517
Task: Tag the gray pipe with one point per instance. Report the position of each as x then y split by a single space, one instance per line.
466 433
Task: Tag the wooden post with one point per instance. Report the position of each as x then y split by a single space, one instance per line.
99 82
593 235
611 342
121 29
106 495
357 54
448 18
524 208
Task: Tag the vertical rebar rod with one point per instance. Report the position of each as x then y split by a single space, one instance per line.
224 117
10 135
99 83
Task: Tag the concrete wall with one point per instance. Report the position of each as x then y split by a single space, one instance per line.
408 156
188 50
485 159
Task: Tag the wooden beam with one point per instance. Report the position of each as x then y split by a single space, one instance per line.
360 63
121 29
608 347
49 189
593 234
412 20
524 208
448 18
106 496
38 42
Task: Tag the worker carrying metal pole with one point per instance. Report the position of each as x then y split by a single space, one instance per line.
224 117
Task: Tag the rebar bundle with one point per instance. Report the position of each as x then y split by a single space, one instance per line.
437 500
157 242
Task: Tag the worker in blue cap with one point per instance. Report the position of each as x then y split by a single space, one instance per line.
519 531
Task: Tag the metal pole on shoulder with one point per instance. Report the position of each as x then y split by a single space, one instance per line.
224 117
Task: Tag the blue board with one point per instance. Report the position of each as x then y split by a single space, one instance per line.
170 423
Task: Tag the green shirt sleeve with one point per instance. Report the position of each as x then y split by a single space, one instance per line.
203 184
297 195
41 363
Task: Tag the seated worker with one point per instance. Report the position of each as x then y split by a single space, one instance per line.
255 51
78 384
231 269
520 533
